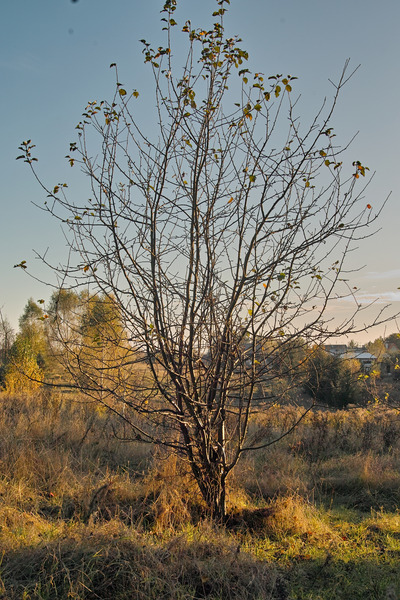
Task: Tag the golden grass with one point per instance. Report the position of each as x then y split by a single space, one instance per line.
85 516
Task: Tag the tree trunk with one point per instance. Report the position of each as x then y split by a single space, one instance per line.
212 485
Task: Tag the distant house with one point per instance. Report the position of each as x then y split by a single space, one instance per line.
391 348
365 358
390 360
338 350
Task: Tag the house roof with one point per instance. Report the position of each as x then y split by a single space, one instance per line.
360 355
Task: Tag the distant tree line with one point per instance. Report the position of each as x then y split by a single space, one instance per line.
77 335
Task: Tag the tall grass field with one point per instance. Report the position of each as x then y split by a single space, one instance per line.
86 516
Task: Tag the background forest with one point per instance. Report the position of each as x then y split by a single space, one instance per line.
41 354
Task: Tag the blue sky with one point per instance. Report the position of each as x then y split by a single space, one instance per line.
55 56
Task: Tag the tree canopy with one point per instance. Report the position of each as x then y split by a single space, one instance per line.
219 242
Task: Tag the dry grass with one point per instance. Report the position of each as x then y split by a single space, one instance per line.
348 457
111 561
84 516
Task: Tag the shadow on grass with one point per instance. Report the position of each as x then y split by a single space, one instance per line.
362 579
125 569
99 566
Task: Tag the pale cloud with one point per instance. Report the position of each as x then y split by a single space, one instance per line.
370 297
391 274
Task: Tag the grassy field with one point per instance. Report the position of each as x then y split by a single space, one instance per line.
84 516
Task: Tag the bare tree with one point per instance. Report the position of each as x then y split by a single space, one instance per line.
7 338
221 241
